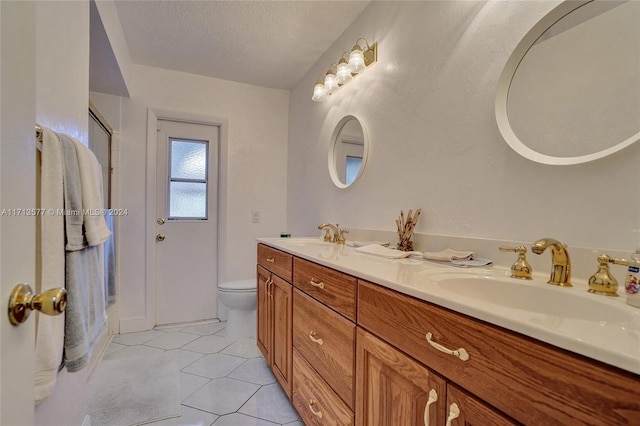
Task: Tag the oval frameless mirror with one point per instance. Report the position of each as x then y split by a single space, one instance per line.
569 92
348 151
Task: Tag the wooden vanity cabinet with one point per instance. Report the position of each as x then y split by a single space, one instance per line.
347 352
274 312
529 381
324 312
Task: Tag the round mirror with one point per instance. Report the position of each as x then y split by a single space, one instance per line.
569 92
348 151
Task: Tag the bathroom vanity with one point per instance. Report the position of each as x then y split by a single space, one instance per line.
370 341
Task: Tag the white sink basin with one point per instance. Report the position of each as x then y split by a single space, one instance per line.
535 297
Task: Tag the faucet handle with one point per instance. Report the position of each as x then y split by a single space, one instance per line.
520 268
602 282
341 232
327 235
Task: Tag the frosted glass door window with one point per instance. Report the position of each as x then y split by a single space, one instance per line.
188 179
352 169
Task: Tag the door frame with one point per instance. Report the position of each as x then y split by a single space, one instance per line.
148 320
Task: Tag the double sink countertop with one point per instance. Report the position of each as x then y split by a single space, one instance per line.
599 327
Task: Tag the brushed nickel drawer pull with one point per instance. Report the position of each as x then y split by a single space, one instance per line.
454 413
460 353
318 413
312 337
433 397
314 283
271 260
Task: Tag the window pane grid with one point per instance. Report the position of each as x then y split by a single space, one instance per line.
188 180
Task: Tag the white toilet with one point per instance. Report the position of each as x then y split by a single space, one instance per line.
239 297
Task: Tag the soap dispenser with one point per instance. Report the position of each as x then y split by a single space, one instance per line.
632 282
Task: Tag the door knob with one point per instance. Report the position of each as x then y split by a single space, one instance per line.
22 301
160 221
160 237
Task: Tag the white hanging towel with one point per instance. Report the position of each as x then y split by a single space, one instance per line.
50 336
95 226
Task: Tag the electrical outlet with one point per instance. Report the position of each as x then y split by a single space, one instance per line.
255 216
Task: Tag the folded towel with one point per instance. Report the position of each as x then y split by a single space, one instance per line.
86 311
95 227
50 330
378 250
365 243
73 219
447 255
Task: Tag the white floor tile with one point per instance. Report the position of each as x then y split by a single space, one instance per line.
237 419
208 344
189 417
130 339
172 340
270 403
183 358
214 365
205 329
247 396
256 371
138 350
245 348
190 383
222 396
114 347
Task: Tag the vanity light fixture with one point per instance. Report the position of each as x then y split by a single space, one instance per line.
360 58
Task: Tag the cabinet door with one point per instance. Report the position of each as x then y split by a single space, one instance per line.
263 314
464 409
282 309
393 389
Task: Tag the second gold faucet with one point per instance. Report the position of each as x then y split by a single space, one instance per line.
560 261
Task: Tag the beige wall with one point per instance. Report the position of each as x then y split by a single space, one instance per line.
428 106
253 172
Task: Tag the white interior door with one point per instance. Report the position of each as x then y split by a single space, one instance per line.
17 191
187 225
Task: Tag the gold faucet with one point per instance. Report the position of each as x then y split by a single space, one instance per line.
520 268
560 262
338 233
329 227
602 282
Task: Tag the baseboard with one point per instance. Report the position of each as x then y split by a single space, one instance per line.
132 325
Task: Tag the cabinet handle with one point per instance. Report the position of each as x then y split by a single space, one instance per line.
269 283
318 413
314 283
271 260
460 353
454 413
433 397
312 337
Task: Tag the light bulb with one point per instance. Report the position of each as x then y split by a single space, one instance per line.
330 82
319 92
343 76
356 60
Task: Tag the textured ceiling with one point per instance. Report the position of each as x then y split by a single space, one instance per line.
266 43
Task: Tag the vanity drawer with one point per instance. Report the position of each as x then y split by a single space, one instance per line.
278 262
333 288
314 400
531 381
327 341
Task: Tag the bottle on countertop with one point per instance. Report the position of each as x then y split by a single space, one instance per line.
632 282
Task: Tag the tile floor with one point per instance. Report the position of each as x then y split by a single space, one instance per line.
222 381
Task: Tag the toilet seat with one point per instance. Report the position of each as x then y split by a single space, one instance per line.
240 286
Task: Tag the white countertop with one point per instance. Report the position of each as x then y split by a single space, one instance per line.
610 334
